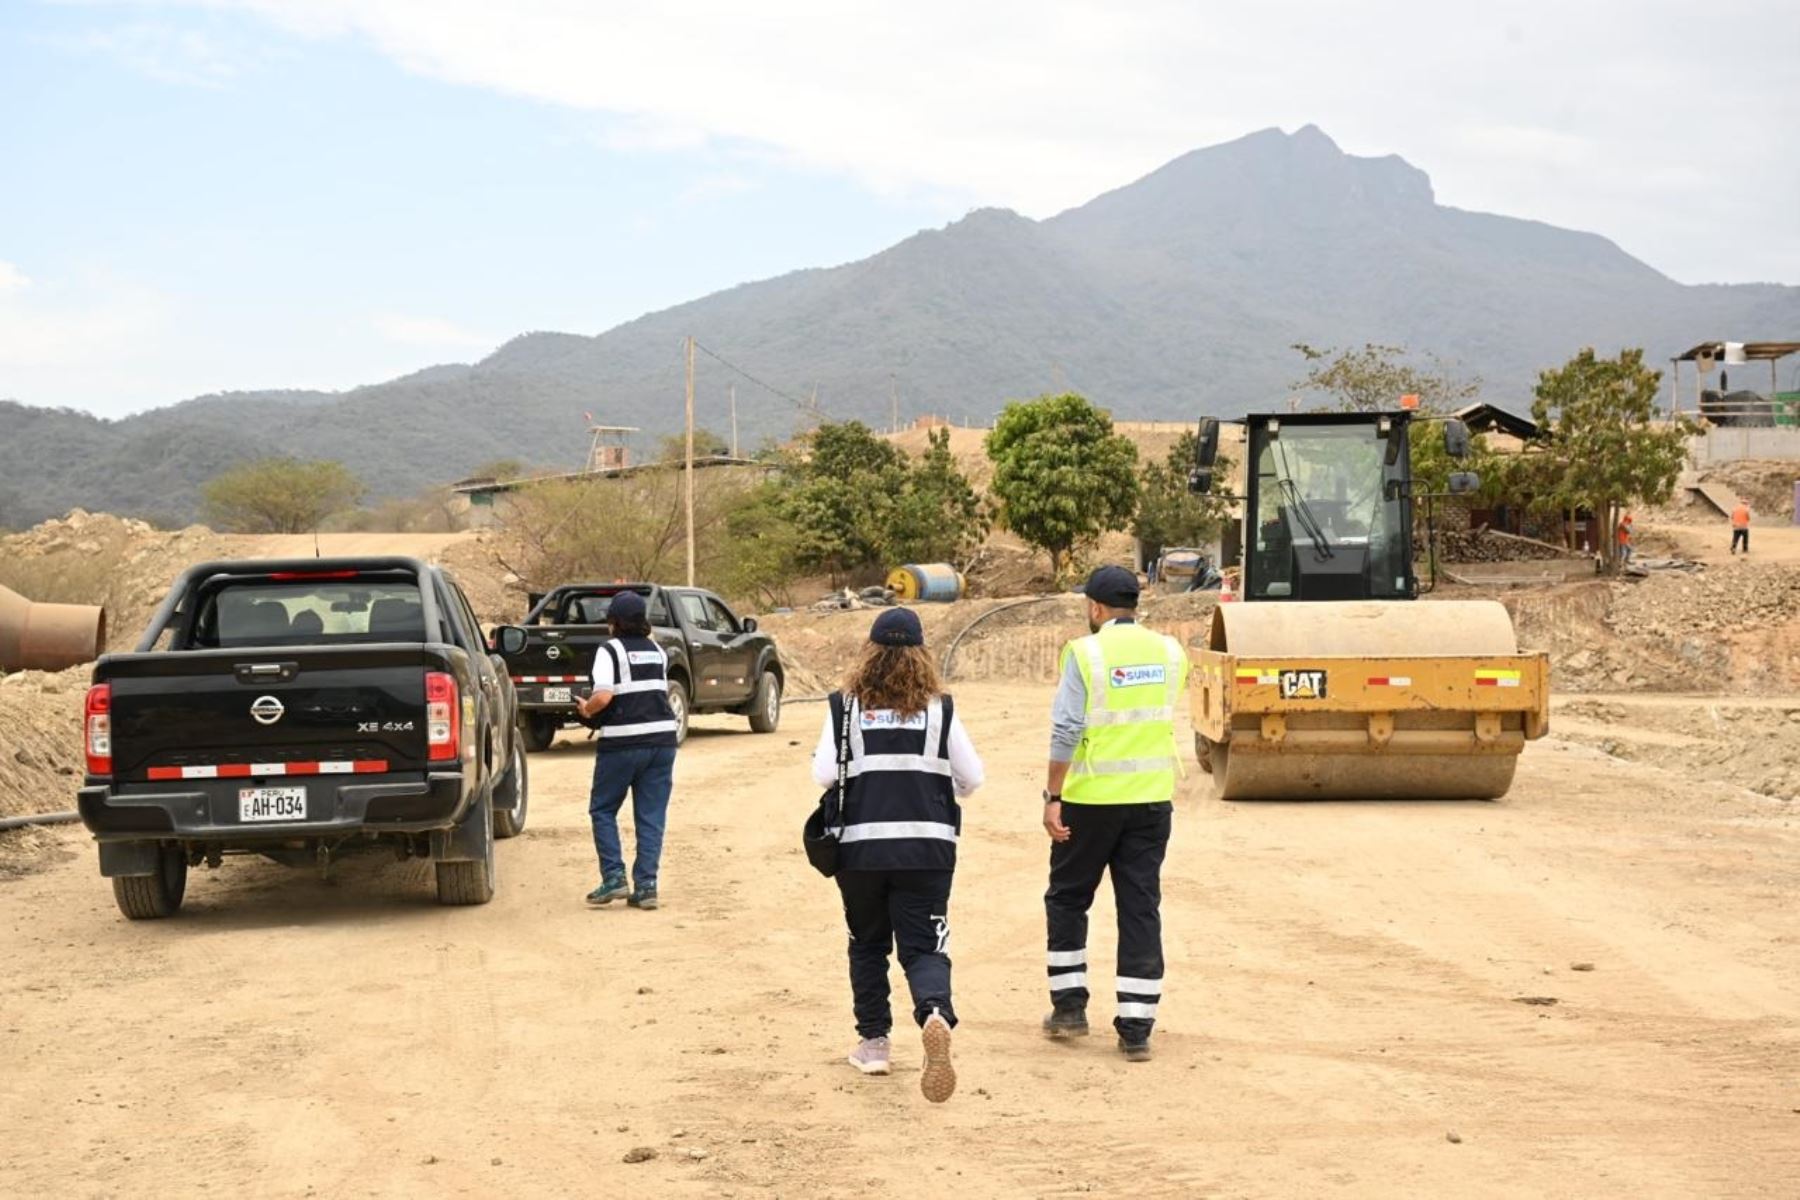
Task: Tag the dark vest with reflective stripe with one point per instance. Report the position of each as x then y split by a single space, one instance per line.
902 813
639 714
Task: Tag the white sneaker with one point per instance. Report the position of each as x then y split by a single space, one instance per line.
871 1056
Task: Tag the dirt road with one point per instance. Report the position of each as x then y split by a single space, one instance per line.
1344 1004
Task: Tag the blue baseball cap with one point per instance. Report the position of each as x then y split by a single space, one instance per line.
897 627
626 605
1112 586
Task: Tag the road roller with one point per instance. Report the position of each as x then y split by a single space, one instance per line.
1327 677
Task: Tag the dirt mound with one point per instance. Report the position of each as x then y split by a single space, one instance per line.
41 757
1768 486
1752 745
96 558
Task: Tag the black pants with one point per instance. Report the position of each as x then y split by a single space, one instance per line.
1740 537
908 909
1130 841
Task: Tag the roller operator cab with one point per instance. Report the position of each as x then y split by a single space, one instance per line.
1345 694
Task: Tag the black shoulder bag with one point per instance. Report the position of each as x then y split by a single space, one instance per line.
825 827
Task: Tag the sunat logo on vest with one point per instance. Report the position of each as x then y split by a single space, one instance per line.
887 718
1135 676
640 658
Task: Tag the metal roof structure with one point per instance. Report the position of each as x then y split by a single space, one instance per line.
1488 418
1751 351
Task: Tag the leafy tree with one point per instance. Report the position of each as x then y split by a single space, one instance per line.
843 496
707 444
1604 446
279 495
1374 378
1061 474
938 516
1168 514
762 548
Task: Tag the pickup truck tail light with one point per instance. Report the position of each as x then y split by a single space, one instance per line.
443 717
97 729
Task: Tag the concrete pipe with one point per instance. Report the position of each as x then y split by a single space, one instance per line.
48 637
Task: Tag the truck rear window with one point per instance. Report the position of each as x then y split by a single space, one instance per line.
308 612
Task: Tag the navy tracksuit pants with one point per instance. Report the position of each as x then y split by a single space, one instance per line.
905 909
1129 841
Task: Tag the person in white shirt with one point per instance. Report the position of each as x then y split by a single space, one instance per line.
908 760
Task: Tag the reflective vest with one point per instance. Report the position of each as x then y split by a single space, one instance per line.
1740 517
902 813
1127 753
639 714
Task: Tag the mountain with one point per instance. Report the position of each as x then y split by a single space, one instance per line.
1177 295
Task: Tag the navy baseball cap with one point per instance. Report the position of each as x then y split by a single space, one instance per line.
1114 587
897 627
626 605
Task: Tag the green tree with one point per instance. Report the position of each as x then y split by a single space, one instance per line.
279 495
1061 474
1605 446
842 497
1168 514
1374 377
762 547
938 517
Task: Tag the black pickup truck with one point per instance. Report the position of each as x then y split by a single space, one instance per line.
717 663
301 710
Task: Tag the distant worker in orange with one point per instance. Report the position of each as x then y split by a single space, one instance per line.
1624 539
1740 527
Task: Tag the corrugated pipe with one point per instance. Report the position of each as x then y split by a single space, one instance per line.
54 818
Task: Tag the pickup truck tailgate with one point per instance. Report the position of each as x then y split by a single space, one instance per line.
289 711
561 654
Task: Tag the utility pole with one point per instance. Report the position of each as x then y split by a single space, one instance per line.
894 390
734 445
690 460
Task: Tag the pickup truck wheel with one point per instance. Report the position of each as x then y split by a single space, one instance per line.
678 700
765 707
470 882
510 796
147 897
539 731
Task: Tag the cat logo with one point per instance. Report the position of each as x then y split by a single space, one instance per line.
1302 685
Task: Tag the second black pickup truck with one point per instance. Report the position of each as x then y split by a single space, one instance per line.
717 662
299 710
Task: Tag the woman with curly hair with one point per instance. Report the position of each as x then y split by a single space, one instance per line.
908 759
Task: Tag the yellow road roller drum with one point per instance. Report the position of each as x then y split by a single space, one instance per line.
1324 701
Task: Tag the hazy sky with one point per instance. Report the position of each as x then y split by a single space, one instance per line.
228 194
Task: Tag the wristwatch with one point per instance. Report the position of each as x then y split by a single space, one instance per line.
1052 797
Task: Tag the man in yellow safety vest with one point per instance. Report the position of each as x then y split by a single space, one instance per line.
1108 806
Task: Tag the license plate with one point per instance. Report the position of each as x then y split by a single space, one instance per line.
272 804
556 695
1302 685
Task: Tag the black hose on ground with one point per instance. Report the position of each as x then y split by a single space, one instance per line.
51 818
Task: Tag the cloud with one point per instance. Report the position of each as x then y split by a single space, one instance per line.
716 184
12 279
69 324
436 332
166 53
1041 104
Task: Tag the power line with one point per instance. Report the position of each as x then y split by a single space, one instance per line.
804 406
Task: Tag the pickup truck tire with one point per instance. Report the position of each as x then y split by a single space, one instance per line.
539 731
472 881
512 795
765 706
148 897
678 700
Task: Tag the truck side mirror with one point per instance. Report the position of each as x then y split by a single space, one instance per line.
749 624
1199 481
1206 444
1464 482
508 640
1456 438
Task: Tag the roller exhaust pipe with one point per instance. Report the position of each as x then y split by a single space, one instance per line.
48 637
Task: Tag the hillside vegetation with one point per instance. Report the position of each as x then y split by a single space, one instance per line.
1180 294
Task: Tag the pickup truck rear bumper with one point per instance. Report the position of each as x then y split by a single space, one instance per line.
208 810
